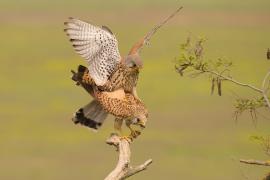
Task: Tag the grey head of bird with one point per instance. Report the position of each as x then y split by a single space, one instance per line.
133 61
140 119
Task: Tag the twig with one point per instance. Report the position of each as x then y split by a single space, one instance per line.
256 162
137 47
123 169
266 99
154 30
265 89
235 81
241 170
138 168
265 80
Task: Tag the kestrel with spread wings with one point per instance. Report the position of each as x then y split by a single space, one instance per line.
108 77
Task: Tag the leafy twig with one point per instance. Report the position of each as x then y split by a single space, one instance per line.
192 61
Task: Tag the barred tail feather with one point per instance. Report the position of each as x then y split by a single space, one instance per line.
91 115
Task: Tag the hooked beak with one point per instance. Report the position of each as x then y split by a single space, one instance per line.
141 124
139 65
138 61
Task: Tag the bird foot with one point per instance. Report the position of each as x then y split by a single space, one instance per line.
129 139
134 134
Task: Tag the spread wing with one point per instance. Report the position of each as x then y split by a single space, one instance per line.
97 45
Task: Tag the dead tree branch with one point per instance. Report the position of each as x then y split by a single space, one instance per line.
123 168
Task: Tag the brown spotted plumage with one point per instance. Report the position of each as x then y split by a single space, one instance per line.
122 78
121 105
125 107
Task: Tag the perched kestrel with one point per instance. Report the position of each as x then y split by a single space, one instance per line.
106 70
124 106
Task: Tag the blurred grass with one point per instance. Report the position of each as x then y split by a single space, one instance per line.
190 134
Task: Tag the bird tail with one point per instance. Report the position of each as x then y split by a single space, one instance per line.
91 115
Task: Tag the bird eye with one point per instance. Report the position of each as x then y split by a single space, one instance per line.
133 64
135 120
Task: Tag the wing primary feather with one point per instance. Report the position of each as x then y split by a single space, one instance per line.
97 45
107 29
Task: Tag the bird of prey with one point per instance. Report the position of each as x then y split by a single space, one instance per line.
124 106
106 70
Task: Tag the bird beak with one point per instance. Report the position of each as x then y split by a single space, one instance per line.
141 124
138 62
140 65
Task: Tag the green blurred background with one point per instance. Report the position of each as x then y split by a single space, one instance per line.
190 134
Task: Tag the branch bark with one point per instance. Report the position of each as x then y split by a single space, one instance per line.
123 168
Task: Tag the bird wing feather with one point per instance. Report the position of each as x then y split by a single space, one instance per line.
97 45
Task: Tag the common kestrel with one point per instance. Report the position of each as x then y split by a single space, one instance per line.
107 72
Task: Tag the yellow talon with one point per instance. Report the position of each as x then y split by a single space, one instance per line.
127 138
135 133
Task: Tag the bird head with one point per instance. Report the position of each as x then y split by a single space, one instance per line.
140 119
134 61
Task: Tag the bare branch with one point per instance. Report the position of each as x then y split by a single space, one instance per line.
123 169
139 168
263 91
235 81
255 162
